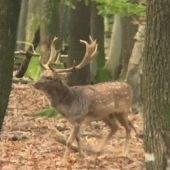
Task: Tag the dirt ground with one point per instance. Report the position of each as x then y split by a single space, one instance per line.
29 143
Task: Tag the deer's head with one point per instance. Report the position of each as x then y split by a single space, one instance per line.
48 79
51 77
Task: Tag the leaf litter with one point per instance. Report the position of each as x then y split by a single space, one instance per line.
27 144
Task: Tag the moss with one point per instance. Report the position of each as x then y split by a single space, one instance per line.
34 68
167 114
102 76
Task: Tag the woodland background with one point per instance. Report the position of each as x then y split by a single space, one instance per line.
133 46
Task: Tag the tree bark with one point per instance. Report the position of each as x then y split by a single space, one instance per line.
33 18
21 32
64 22
97 32
9 15
79 28
128 32
49 27
113 61
156 86
134 71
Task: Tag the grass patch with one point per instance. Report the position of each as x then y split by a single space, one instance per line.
49 112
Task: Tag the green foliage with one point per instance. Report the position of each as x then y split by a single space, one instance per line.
121 7
49 112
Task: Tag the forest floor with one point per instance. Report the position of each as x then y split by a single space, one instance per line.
29 143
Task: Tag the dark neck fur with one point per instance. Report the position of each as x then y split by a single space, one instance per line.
60 94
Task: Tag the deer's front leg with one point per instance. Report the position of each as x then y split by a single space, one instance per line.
70 140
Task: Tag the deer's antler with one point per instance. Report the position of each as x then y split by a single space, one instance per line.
51 60
91 50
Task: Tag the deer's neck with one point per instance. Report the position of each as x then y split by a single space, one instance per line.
60 95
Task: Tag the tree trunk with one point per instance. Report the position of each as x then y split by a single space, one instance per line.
64 22
134 72
97 32
156 86
128 32
21 32
49 27
9 15
115 48
79 28
33 18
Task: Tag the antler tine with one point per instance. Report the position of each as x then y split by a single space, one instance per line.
52 57
91 39
91 50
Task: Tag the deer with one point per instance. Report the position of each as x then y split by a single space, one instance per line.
109 102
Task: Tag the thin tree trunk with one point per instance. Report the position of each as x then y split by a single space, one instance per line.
49 27
64 22
128 32
156 86
9 15
134 71
21 32
115 48
79 28
33 18
97 32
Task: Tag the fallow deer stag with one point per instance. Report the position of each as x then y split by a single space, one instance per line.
109 102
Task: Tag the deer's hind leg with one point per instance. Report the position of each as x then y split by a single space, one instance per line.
111 122
124 121
79 145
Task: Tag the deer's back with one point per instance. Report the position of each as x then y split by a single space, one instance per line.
107 98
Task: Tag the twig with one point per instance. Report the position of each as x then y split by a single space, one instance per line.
28 44
25 52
